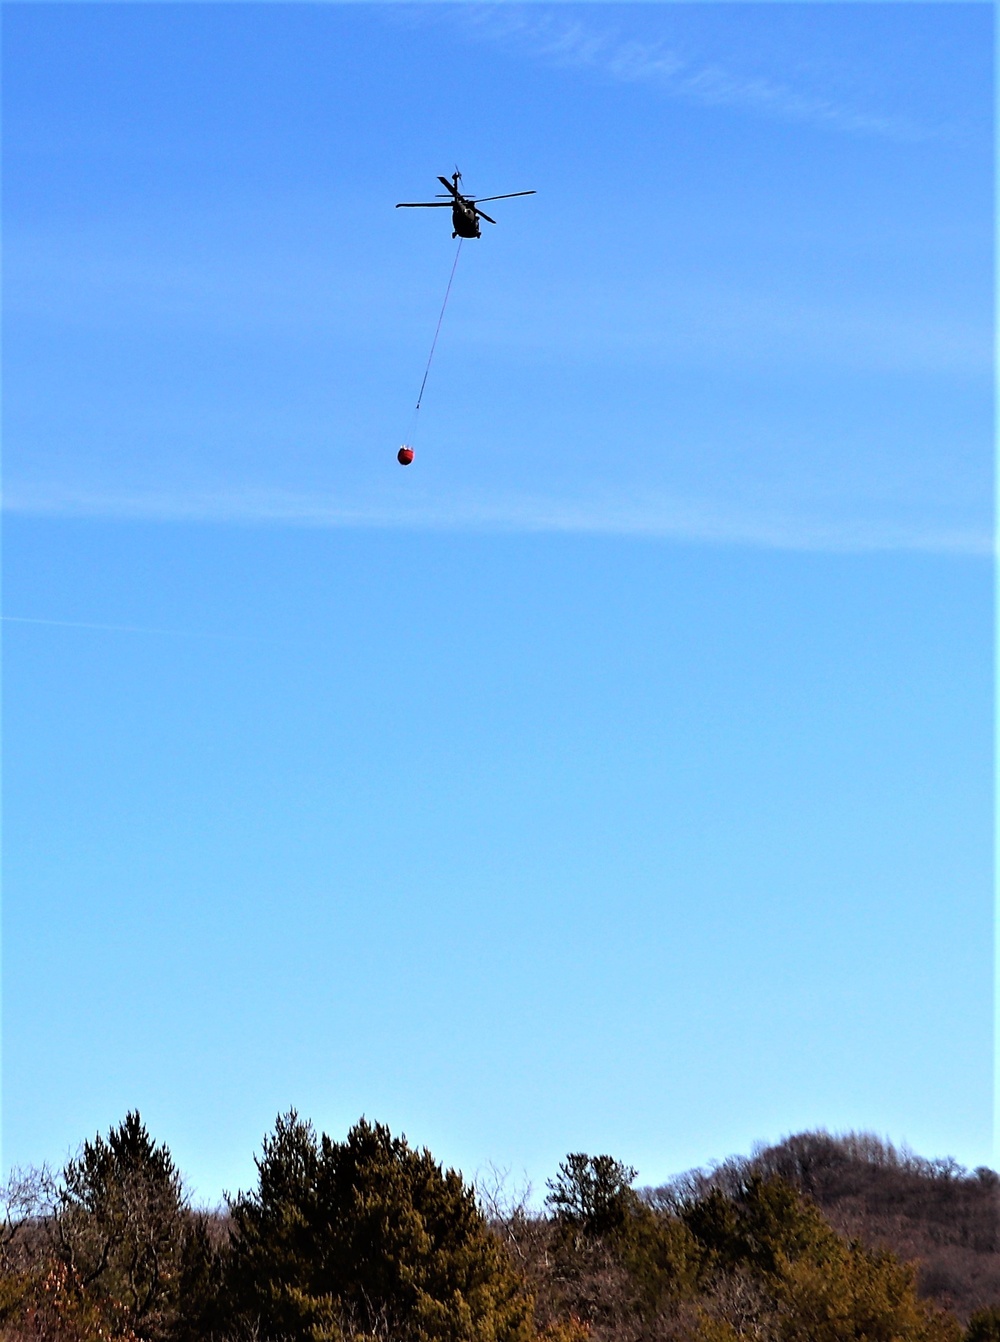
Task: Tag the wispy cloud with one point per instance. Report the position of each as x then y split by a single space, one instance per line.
659 518
572 42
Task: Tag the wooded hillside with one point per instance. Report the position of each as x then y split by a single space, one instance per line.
932 1212
370 1240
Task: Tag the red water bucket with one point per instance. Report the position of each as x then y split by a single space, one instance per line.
405 455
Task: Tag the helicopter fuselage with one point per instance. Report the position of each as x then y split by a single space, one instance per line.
464 219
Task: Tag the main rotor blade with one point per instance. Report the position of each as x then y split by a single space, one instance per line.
509 196
483 215
444 182
424 205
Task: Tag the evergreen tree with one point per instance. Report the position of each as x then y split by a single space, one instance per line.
618 1266
120 1227
593 1194
368 1238
203 1306
763 1222
774 1269
848 1293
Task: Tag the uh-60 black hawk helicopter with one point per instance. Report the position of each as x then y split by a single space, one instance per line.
465 214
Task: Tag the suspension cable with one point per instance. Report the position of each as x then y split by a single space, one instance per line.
437 332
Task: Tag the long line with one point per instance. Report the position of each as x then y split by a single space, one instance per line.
437 329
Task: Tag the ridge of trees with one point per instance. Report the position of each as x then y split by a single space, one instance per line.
932 1212
369 1239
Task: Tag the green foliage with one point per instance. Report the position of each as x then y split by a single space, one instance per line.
764 1222
279 1269
368 1238
772 1267
17 1292
661 1257
750 1261
121 1224
593 1193
202 1311
984 1325
852 1294
618 1266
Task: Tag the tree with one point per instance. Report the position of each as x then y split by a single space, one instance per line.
201 1292
852 1294
775 1269
120 1222
762 1223
368 1238
592 1193
278 1275
984 1324
617 1266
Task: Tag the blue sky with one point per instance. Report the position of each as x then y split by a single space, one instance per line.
618 777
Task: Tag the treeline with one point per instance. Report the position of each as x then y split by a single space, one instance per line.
932 1212
370 1240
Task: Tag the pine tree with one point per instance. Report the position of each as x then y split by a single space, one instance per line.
368 1238
120 1226
773 1268
592 1194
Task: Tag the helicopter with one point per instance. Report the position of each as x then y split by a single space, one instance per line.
465 214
